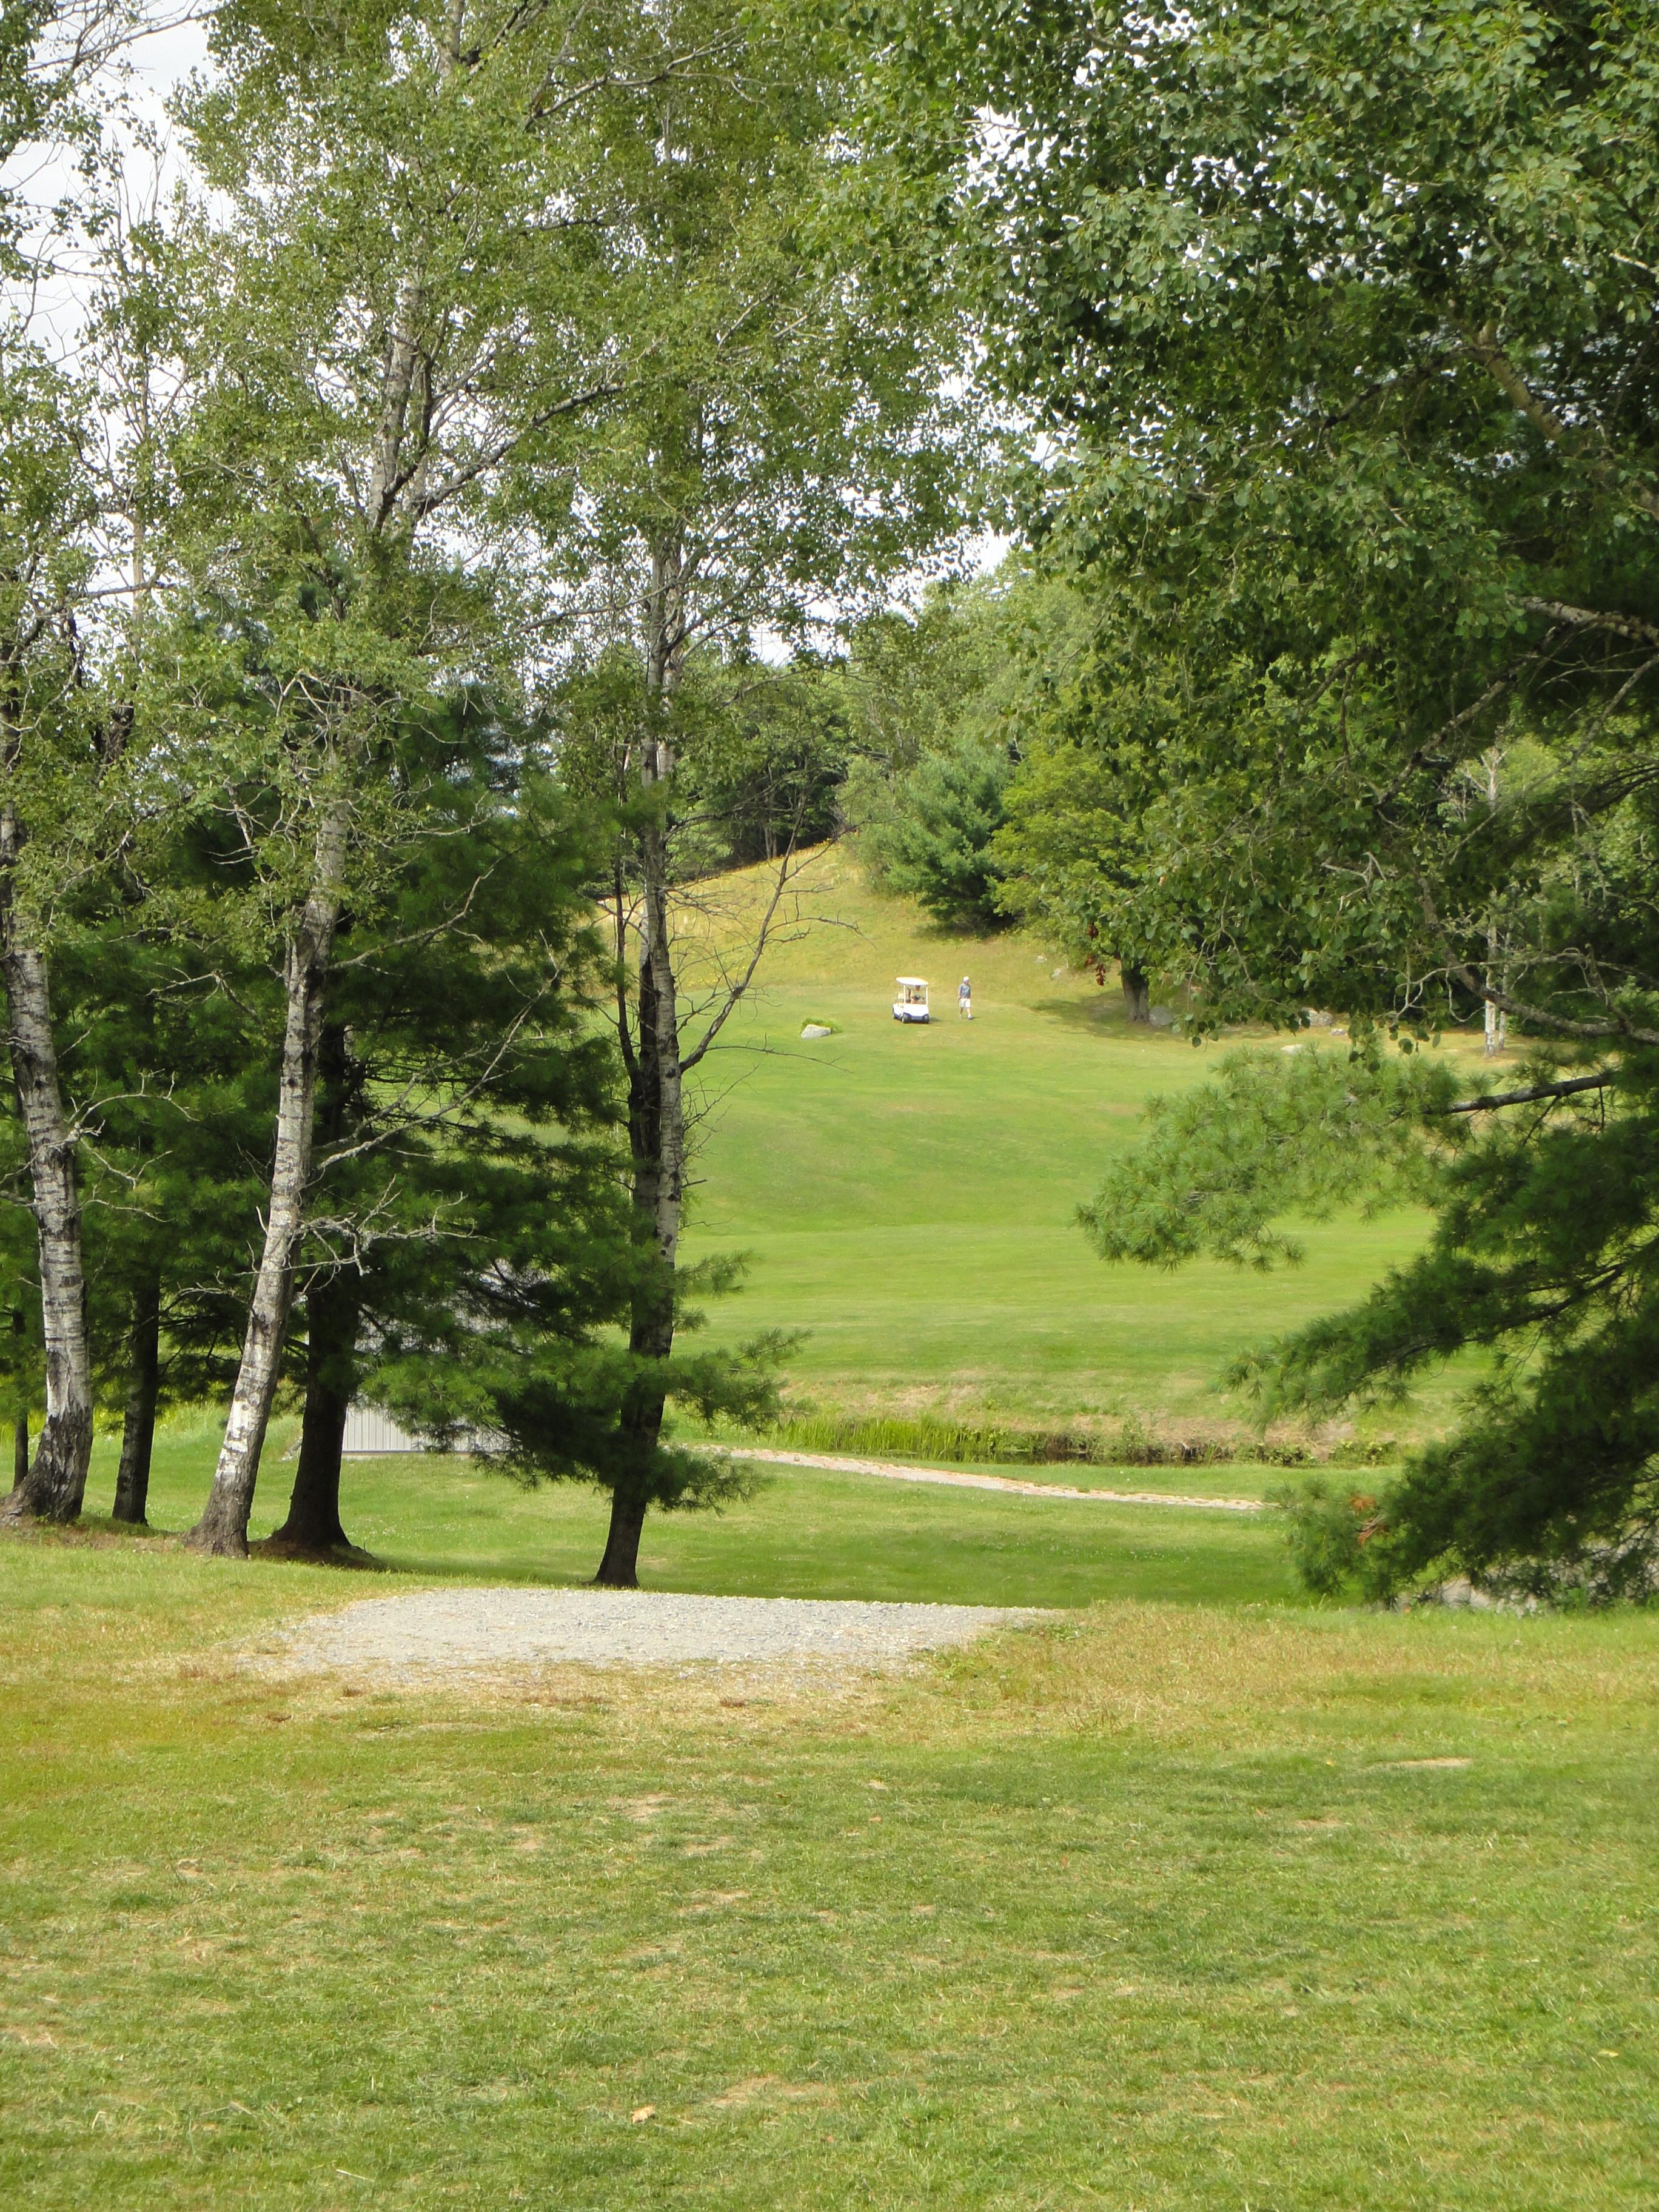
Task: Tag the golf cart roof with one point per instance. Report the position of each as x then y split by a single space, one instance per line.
914 982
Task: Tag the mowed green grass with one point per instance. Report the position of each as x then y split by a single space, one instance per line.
805 1534
1189 1896
907 1196
1158 1907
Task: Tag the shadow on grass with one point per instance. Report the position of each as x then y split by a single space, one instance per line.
1105 1016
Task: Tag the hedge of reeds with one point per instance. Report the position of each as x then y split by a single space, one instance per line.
900 1435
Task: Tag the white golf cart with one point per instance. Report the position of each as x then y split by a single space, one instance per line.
911 1004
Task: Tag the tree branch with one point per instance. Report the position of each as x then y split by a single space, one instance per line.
1563 1090
1631 626
1484 348
734 992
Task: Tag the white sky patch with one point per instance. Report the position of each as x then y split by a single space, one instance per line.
131 93
131 97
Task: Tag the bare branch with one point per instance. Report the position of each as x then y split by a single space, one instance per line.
734 992
460 478
1484 348
1622 625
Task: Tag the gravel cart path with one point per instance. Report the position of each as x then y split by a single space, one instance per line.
894 1472
463 1629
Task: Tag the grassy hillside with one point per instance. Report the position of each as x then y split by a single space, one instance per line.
1196 1897
907 1195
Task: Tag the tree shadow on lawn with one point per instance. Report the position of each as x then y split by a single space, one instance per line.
1104 1016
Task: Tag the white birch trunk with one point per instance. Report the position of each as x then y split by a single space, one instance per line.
222 1528
658 1008
55 1484
1496 1025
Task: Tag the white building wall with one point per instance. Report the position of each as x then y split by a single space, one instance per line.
369 1433
368 1429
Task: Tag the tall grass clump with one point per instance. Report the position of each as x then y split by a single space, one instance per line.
925 1436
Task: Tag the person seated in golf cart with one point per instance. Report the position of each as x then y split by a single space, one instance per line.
911 1004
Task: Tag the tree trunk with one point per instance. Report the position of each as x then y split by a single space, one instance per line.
222 1528
56 1482
20 1423
1497 1022
656 1132
138 1429
313 1530
656 1096
620 1567
1137 992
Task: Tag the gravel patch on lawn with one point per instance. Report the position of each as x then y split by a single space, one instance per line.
464 1630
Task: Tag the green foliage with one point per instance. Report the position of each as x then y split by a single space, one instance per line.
1307 1131
780 437
917 1437
1361 478
1540 1256
937 702
763 753
1371 682
1327 1526
999 1444
929 831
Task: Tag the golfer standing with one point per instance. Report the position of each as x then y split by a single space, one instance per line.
965 999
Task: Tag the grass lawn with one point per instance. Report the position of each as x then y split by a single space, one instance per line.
907 1195
1162 1905
805 1534
1191 1897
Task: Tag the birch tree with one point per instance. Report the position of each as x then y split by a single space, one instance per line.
468 1112
47 744
46 52
784 448
405 314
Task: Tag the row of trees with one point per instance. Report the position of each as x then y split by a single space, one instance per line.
380 571
1341 330
381 590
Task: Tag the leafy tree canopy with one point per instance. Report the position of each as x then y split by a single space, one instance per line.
936 703
1343 327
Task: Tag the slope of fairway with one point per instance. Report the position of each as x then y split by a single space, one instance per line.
906 1196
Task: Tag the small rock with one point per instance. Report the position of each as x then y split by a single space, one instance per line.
1161 1018
816 1030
